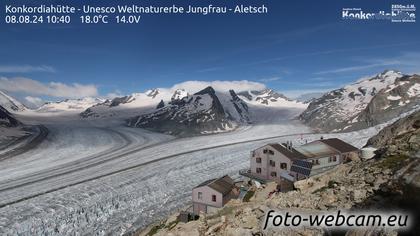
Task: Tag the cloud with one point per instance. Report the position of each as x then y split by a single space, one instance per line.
111 95
331 51
210 69
407 61
222 86
357 68
26 69
52 89
34 101
271 79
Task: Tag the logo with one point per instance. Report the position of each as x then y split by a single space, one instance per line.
398 14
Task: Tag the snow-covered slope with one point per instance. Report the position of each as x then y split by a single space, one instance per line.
69 105
10 104
270 98
203 112
365 103
128 106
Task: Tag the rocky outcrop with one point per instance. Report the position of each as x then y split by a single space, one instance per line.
407 127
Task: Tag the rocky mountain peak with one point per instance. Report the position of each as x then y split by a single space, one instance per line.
368 102
10 104
153 92
208 90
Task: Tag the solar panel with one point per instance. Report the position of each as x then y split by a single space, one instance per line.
301 167
302 163
301 170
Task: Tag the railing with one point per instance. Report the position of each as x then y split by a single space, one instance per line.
247 173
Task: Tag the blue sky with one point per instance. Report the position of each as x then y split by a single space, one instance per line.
298 47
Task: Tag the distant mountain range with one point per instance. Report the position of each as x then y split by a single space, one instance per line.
365 103
269 97
181 113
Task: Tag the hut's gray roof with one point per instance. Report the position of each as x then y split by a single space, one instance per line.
339 145
223 185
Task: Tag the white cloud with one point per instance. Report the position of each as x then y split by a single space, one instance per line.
52 89
111 95
34 101
222 86
25 69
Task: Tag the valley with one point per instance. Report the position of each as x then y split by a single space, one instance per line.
116 165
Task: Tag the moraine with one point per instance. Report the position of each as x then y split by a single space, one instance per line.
210 9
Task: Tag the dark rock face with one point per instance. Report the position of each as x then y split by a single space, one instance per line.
7 119
404 133
196 114
117 101
160 105
365 103
153 93
399 150
240 106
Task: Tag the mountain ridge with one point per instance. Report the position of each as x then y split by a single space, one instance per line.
365 103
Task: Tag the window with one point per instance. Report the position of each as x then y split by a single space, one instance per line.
315 162
273 174
258 170
272 163
213 198
283 166
271 152
258 160
200 196
332 159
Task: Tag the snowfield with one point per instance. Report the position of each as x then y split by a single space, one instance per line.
100 177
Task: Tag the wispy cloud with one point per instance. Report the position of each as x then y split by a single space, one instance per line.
408 61
52 89
271 79
210 69
26 69
327 52
356 68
